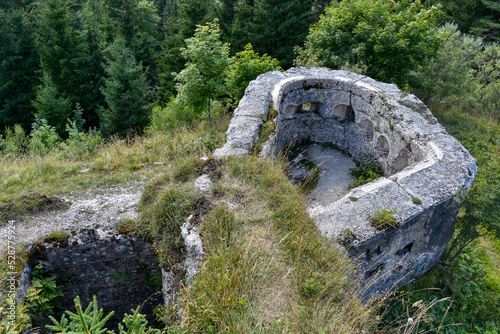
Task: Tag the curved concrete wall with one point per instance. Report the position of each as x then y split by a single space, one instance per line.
427 172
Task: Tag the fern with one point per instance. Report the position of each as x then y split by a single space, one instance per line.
43 295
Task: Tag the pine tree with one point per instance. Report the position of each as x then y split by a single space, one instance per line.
278 26
126 91
62 51
19 63
51 106
98 31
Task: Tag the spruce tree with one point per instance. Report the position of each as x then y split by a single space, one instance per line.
278 26
126 91
138 23
98 31
51 106
226 14
193 13
240 29
19 63
62 51
170 59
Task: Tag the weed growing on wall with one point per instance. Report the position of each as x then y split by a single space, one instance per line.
367 169
383 219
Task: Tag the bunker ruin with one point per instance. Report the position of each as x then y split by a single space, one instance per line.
426 171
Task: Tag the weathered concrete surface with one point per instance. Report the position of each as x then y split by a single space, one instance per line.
427 172
335 176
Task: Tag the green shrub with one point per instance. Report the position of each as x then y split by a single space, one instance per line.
43 296
313 285
210 140
79 142
387 39
464 74
43 138
245 67
173 115
472 302
15 141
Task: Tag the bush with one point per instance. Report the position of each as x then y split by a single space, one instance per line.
43 138
387 38
79 142
466 73
15 141
470 303
173 115
245 67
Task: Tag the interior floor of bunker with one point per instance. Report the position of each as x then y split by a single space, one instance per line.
334 173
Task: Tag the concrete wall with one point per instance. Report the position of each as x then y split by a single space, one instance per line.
427 172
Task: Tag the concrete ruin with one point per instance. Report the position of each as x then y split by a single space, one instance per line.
427 172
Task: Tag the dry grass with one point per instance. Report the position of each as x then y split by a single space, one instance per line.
118 162
277 274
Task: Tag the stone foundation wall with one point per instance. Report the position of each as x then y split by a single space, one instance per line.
122 271
427 172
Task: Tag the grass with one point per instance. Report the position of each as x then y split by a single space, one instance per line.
19 206
268 269
383 219
118 162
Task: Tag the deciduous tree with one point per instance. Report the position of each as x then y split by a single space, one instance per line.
202 80
386 38
245 67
